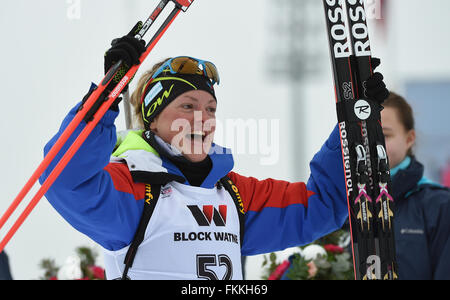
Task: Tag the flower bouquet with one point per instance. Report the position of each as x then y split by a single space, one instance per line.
326 259
78 267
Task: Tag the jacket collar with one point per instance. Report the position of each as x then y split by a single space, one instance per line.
146 164
406 177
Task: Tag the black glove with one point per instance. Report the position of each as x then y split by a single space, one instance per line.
128 49
375 88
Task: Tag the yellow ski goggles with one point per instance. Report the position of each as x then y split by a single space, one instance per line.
190 66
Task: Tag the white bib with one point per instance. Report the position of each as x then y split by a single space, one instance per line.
192 234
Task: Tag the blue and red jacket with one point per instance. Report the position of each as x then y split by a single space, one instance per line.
102 199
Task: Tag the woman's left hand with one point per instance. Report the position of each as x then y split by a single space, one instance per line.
375 88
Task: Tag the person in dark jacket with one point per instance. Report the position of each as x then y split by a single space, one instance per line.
422 208
5 272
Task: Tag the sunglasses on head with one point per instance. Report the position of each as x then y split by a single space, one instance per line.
190 66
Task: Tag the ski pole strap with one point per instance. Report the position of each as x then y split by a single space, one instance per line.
151 198
234 192
89 117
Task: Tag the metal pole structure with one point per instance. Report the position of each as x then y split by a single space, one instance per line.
131 8
294 47
127 110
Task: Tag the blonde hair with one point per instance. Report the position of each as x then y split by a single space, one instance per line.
135 99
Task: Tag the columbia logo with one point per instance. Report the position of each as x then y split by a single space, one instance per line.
412 231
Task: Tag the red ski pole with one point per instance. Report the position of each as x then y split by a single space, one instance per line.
90 126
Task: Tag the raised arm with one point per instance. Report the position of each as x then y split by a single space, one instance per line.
280 214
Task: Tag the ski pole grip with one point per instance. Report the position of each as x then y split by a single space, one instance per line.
103 97
111 73
183 4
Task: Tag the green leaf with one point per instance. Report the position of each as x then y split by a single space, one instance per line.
299 269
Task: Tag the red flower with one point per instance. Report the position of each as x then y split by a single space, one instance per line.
279 271
333 249
97 272
53 278
312 269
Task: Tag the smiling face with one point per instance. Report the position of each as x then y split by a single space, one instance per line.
188 123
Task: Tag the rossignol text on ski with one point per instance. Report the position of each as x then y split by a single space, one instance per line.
366 167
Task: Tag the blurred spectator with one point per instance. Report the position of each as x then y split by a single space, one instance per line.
422 208
446 176
5 273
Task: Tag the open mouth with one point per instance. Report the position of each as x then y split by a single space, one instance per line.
197 136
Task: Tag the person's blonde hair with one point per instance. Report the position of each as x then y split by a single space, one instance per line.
135 99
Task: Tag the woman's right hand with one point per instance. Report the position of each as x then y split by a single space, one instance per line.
127 48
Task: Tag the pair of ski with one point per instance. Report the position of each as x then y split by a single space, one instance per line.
366 167
92 112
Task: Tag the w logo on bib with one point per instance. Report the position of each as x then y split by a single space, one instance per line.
209 214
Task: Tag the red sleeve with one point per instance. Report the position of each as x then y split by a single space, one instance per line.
123 182
257 195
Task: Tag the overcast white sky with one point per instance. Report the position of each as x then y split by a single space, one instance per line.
50 55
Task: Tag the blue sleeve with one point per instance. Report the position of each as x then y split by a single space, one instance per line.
84 194
327 181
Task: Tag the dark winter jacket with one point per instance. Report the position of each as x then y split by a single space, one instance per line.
5 273
421 223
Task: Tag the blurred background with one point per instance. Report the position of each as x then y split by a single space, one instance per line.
275 68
